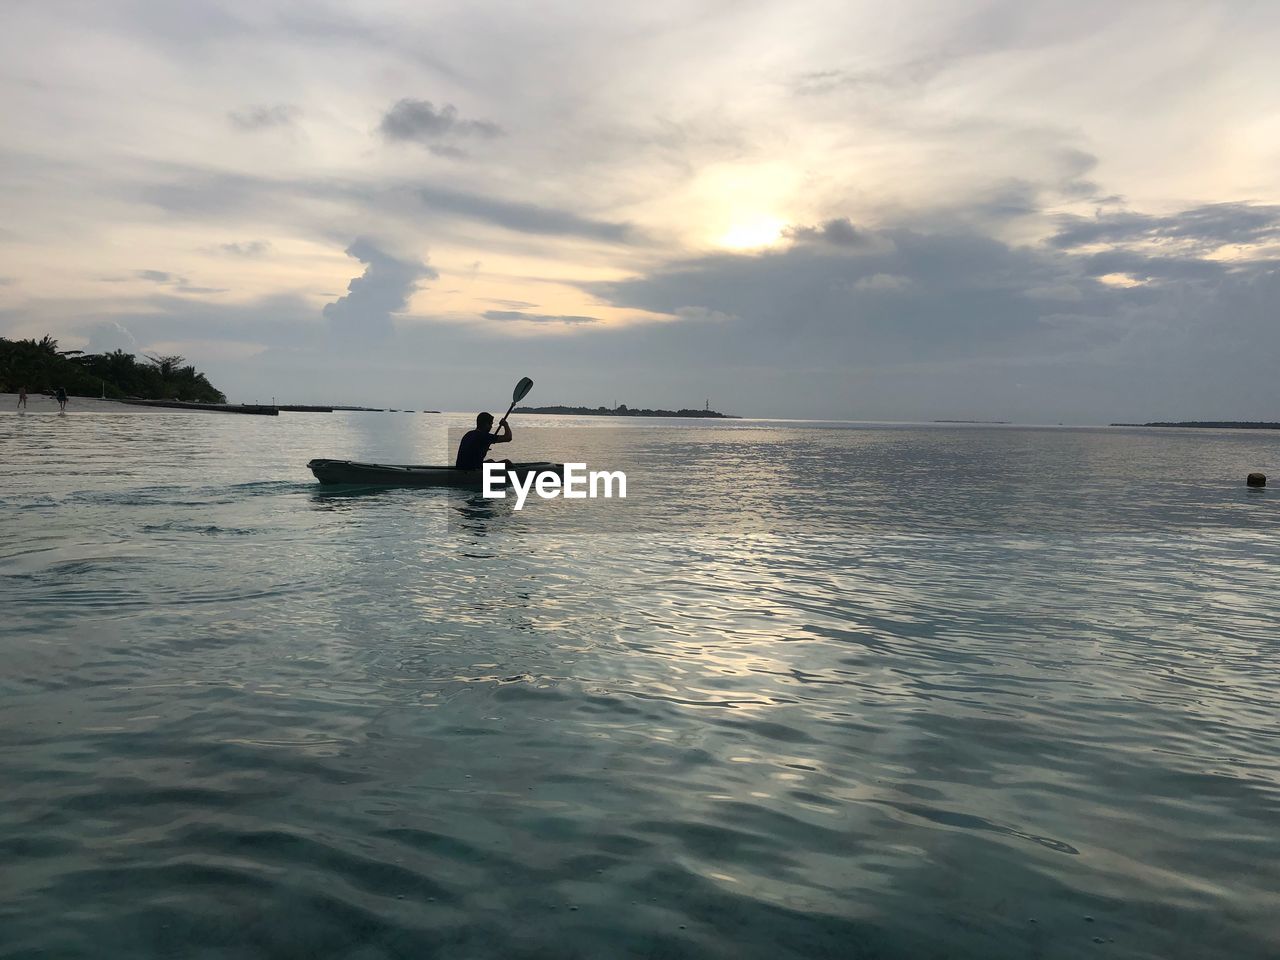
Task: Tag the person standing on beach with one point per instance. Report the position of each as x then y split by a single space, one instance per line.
22 398
62 399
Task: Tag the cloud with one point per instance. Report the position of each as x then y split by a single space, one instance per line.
418 121
703 315
446 150
883 282
1013 198
181 284
111 335
277 320
839 232
220 197
943 129
250 249
1062 292
1010 198
959 298
977 328
1205 227
954 295
1146 267
384 289
204 194
526 217
901 76
263 117
515 315
971 322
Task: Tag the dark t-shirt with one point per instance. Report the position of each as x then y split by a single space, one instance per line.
471 451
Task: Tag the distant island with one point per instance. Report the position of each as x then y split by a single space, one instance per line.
622 410
1211 424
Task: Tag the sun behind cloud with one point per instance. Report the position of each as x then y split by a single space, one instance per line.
740 206
753 233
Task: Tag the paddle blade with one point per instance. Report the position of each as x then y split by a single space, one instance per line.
521 390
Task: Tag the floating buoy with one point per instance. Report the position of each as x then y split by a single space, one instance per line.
1256 480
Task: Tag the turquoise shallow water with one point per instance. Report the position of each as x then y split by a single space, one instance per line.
865 691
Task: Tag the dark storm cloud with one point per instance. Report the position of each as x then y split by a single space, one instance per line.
1211 225
839 232
516 315
373 297
418 121
263 117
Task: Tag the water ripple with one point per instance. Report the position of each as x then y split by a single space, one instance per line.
896 692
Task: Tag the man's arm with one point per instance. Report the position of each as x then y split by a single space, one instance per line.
504 432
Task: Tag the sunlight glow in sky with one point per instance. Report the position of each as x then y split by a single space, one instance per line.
753 233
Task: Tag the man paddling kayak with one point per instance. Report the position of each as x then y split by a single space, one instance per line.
475 443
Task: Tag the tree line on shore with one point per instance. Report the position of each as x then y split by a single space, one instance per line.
40 367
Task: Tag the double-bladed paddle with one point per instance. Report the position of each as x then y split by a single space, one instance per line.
519 393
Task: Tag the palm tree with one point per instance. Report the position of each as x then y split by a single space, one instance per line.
167 365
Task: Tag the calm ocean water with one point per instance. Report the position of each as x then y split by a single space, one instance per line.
859 691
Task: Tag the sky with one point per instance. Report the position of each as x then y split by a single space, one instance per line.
1031 211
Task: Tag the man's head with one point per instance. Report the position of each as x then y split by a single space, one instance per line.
484 421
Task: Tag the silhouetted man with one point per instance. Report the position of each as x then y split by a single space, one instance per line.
475 443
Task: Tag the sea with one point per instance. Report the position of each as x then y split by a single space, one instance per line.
812 690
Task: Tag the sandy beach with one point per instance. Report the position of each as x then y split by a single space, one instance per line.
38 403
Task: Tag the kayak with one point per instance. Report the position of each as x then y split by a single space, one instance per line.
395 475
